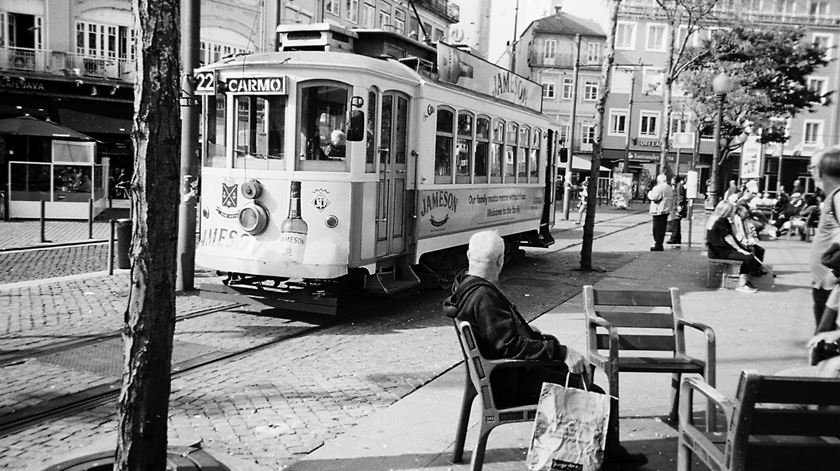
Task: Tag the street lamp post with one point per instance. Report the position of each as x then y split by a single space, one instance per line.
722 85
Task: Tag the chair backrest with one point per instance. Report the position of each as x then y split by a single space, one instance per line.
774 418
646 320
477 366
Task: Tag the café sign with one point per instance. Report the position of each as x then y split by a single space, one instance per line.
21 84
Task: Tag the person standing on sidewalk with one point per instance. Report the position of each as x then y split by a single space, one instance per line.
583 196
825 169
501 332
678 212
661 200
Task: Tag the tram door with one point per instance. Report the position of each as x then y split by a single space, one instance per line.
393 145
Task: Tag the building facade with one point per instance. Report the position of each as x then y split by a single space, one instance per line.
634 118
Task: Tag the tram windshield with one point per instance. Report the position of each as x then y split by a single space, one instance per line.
323 114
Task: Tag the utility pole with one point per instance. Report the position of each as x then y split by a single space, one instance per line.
513 42
626 166
190 25
567 190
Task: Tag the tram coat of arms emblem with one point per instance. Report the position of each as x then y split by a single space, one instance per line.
229 195
320 200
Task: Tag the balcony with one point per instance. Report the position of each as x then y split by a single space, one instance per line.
46 62
448 10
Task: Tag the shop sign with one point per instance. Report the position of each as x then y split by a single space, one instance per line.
649 142
20 83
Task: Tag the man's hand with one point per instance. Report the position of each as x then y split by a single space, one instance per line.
829 337
576 362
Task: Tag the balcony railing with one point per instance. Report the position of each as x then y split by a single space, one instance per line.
48 62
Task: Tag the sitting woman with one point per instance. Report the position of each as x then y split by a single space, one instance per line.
722 244
799 223
747 235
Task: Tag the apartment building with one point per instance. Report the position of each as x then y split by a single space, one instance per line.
634 113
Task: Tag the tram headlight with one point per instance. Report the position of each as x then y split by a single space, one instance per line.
252 189
253 218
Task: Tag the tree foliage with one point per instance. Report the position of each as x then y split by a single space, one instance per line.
769 69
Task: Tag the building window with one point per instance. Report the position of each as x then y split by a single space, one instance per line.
548 89
655 37
625 35
818 8
443 145
564 134
648 124
587 133
652 81
369 15
817 84
590 90
813 133
437 35
786 7
384 14
352 7
593 52
618 122
568 85
549 49
679 125
399 21
823 40
333 7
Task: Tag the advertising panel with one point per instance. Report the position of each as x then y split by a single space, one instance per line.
751 158
622 189
465 209
461 68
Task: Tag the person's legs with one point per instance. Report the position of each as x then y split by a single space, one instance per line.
676 232
660 222
820 297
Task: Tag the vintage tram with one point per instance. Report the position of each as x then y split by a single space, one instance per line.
367 159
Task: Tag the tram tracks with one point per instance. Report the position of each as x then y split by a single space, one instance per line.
105 393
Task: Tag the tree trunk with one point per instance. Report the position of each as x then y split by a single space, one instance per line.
150 317
597 151
668 77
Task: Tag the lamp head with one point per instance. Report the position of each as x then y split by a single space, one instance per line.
722 84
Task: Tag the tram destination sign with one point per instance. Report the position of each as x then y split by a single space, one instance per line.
261 85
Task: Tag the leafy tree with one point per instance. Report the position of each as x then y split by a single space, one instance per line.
150 316
769 68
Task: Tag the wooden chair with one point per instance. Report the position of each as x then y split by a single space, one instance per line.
775 423
637 322
479 370
725 266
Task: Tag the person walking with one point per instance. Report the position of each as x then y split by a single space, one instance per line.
583 195
661 200
825 169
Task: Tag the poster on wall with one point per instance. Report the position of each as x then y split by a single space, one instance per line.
622 189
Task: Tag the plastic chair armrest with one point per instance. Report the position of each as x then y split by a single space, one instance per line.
691 384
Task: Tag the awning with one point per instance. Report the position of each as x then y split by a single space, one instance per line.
584 164
93 123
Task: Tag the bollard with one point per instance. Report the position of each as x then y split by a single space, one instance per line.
43 220
90 218
123 243
111 247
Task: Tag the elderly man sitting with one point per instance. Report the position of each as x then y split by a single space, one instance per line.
501 332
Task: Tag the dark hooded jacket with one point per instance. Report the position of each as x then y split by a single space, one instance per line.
500 330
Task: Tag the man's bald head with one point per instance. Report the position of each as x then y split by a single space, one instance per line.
486 255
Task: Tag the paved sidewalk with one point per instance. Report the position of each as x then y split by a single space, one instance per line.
764 331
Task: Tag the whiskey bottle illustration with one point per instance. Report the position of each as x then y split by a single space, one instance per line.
293 229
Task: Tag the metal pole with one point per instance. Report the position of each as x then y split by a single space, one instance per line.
111 247
690 219
513 43
43 220
90 218
190 22
626 167
779 174
712 200
567 191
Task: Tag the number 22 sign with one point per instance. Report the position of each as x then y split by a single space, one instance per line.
205 83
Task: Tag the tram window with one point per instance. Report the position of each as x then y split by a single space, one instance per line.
534 163
443 146
482 147
322 127
498 151
370 131
216 131
402 123
260 130
510 153
522 161
464 147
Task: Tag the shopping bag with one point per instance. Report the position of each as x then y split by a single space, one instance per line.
570 430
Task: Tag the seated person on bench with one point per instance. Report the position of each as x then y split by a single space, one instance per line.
746 235
501 332
722 244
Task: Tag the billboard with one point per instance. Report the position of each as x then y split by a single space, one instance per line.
751 158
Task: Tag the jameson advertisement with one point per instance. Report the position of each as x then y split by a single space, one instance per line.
455 210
